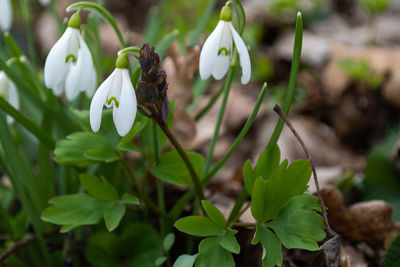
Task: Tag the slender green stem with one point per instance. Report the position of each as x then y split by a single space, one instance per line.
294 71
239 214
227 86
29 30
235 212
210 104
144 198
160 187
176 210
182 153
43 137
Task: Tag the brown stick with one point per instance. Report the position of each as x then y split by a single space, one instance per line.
24 242
279 110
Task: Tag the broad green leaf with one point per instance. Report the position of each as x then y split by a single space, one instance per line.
113 215
101 155
213 213
168 241
98 188
129 147
271 246
212 254
298 225
106 249
266 164
72 150
185 260
228 242
79 209
160 261
136 128
172 169
392 255
67 228
129 199
283 185
198 226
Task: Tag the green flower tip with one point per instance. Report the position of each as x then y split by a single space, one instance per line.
75 21
122 61
226 13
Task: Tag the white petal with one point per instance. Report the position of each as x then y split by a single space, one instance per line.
13 99
98 101
125 114
55 67
80 75
92 82
5 15
243 56
115 89
221 67
209 51
44 2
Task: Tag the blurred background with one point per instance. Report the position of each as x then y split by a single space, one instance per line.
346 107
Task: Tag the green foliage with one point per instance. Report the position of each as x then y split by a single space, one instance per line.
168 241
113 215
198 226
214 214
298 225
361 72
381 177
212 254
172 169
270 196
272 252
185 260
83 149
98 188
392 255
138 244
228 241
375 6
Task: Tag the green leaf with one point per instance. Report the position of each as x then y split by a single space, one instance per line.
213 213
185 260
228 242
298 225
392 255
212 254
160 261
93 7
79 209
241 15
113 215
273 195
172 169
136 128
266 165
72 150
168 241
198 226
101 155
129 147
163 45
100 189
129 199
271 246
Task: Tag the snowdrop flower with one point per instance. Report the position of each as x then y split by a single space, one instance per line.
5 14
217 51
44 2
116 92
70 64
9 92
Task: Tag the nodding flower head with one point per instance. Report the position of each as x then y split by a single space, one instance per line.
217 52
152 87
5 14
69 64
9 92
115 92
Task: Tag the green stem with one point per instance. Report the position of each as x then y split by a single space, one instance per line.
144 198
25 9
235 225
227 86
176 210
294 71
182 153
210 104
160 187
43 137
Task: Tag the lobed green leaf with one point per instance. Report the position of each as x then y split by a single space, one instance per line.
198 226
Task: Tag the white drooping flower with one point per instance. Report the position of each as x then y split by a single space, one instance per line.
69 64
6 15
217 51
116 92
44 2
9 92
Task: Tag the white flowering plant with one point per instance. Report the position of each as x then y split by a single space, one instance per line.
76 152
